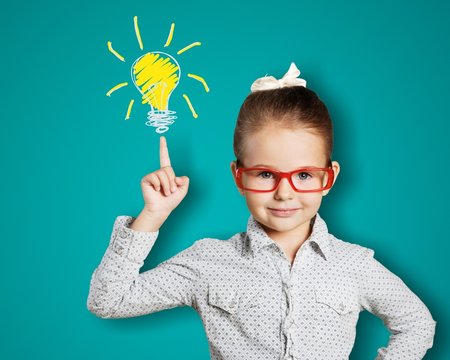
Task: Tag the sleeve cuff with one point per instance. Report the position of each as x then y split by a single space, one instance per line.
131 244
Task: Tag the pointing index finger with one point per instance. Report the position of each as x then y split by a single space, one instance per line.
164 158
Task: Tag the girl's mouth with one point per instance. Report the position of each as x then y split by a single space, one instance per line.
283 212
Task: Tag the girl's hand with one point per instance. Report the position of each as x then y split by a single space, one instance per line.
161 189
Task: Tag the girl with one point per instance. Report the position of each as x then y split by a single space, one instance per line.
285 288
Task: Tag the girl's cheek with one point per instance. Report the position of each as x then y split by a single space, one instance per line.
311 199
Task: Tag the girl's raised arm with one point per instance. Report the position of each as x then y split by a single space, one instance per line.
117 289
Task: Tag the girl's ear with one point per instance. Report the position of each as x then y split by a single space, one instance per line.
336 169
233 167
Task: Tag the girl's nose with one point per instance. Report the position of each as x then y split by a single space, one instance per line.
284 190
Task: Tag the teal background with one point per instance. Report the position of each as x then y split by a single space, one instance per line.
71 164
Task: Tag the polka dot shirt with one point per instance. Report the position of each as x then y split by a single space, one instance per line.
254 304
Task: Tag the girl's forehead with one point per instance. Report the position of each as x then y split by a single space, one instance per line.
284 148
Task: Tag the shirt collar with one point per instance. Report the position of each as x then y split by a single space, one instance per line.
257 238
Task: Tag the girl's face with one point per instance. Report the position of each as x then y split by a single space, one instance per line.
284 150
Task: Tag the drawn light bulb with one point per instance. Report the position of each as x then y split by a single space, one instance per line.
156 75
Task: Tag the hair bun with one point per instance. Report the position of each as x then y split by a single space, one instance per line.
289 79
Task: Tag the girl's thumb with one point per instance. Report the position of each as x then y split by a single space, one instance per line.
182 180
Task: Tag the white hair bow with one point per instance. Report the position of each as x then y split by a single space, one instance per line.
289 79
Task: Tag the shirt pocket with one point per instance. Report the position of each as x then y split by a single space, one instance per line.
232 297
337 312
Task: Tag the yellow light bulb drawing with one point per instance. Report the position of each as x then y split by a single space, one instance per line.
156 75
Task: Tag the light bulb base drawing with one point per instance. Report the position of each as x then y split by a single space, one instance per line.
161 119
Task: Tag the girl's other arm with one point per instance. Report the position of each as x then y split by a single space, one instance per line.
407 318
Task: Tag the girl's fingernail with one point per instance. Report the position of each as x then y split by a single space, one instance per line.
174 189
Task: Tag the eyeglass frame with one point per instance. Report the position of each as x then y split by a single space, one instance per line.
287 175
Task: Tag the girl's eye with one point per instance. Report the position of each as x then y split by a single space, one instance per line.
265 174
304 175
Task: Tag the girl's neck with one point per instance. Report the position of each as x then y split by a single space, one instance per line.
291 241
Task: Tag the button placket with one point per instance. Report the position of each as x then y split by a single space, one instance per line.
288 326
289 322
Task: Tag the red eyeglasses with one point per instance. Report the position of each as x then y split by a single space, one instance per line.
308 179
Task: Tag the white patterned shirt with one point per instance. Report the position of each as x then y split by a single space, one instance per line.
254 304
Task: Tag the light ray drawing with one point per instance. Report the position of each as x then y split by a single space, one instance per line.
156 74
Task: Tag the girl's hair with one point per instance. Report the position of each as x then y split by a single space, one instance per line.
287 107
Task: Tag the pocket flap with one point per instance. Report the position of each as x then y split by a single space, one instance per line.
230 296
342 302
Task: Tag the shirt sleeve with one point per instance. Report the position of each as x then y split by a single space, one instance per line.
406 317
118 290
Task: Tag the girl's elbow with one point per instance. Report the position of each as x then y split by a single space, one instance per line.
431 329
99 310
429 321
427 329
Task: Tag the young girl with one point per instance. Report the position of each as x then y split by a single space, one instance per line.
285 288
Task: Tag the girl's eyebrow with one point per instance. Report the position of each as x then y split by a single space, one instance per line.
274 167
262 165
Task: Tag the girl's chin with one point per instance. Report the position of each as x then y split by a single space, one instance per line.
279 224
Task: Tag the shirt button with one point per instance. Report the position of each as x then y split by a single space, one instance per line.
287 285
124 233
118 248
286 328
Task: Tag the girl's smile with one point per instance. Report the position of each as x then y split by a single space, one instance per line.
283 212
